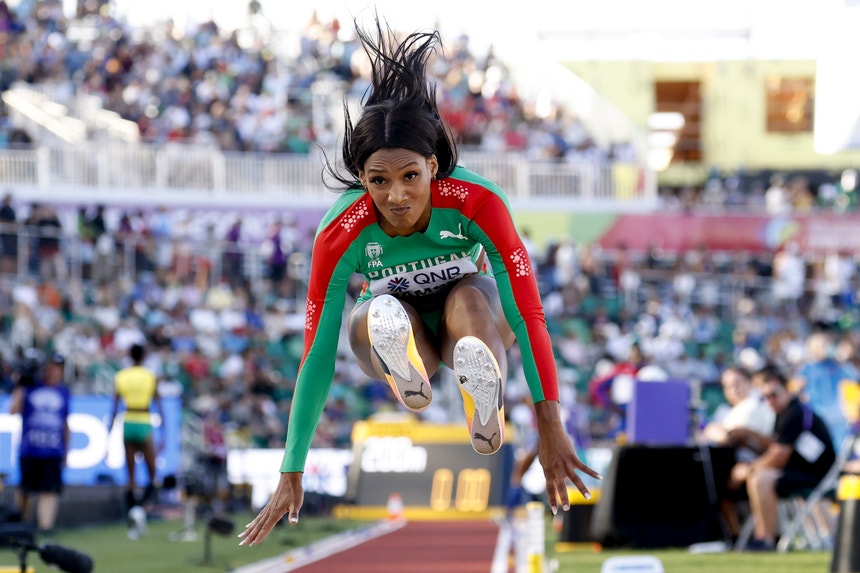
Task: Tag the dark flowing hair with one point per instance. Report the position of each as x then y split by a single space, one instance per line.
399 109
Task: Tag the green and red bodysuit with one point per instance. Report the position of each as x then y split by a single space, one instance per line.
470 216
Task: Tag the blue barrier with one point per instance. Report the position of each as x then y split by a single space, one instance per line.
94 457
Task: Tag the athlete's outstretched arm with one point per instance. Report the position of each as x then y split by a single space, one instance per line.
331 269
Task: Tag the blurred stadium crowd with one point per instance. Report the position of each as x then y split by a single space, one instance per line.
222 311
237 91
219 301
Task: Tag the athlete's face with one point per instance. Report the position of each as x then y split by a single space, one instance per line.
398 180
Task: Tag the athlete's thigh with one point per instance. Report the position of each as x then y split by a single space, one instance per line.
452 322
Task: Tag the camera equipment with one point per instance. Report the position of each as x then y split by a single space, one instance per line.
14 531
63 558
26 372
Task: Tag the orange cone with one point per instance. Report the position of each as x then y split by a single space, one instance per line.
395 506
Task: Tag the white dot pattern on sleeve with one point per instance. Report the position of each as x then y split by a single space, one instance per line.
448 189
358 213
310 311
521 261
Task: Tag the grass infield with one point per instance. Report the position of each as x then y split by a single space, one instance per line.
681 561
113 552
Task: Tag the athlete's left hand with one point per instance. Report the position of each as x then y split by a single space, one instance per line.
287 500
558 457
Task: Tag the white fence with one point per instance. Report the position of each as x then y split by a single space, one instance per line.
128 172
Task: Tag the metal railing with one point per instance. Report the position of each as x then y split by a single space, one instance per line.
126 170
113 256
130 255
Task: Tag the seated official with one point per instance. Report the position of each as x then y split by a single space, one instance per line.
745 417
739 424
796 458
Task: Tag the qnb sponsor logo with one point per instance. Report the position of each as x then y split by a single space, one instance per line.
422 280
392 455
440 276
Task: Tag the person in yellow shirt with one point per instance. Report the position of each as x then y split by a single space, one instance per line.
137 387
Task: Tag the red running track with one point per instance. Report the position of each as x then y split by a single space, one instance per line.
419 547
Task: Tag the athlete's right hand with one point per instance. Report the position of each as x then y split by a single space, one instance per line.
287 499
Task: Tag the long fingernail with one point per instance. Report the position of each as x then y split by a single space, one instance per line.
554 509
588 495
566 507
294 520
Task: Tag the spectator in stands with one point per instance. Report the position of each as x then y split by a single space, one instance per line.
87 242
8 236
776 196
44 409
31 231
610 390
838 272
846 192
51 258
801 196
96 223
233 260
399 155
161 230
797 456
276 251
819 379
789 277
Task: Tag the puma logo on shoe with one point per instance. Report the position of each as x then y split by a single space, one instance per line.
481 437
419 392
443 234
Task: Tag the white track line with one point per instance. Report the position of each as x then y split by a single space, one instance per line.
301 556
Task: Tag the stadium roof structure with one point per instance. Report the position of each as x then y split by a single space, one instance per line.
696 30
655 30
